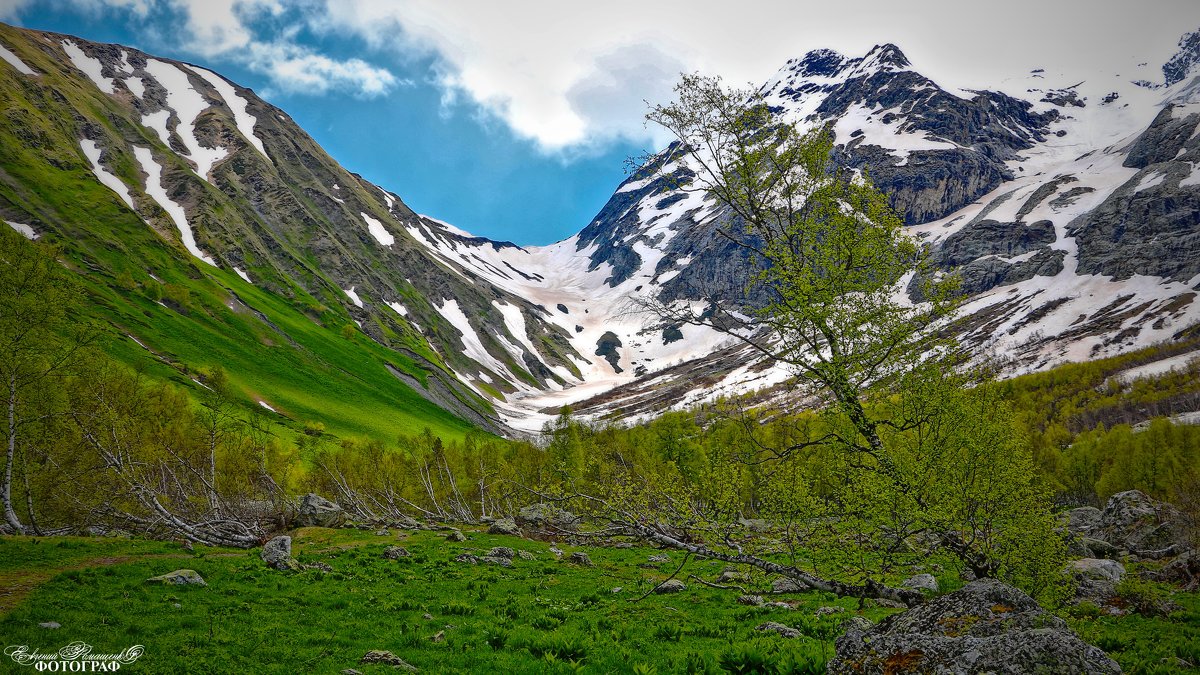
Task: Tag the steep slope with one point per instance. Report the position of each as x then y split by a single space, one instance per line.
167 182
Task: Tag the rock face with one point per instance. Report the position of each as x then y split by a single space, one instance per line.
986 627
316 511
277 553
179 578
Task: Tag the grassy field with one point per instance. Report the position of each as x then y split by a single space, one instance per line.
440 615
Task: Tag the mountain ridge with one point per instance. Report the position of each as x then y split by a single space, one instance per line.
1027 193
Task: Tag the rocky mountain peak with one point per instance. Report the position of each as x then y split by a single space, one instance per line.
818 63
884 57
1184 61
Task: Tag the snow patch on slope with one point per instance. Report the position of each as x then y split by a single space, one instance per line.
90 66
378 231
113 183
156 191
237 105
187 103
353 296
14 61
25 230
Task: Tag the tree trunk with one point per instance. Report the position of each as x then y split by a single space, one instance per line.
10 515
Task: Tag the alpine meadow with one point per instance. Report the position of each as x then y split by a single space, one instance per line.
856 372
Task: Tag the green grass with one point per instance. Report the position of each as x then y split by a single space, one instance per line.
307 370
541 615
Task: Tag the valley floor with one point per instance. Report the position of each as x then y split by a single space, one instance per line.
542 614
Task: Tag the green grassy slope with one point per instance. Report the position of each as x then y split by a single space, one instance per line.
287 341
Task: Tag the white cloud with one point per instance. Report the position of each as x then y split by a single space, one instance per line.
224 30
298 70
567 74
10 9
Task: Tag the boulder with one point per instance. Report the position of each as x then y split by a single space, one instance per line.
456 535
383 658
547 517
1098 569
316 511
277 553
395 552
50 625
580 558
1081 521
179 578
922 582
502 552
986 627
730 576
752 600
506 526
660 558
1183 571
1087 547
782 630
670 586
526 555
1135 522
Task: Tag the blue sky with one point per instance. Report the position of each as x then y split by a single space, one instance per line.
513 120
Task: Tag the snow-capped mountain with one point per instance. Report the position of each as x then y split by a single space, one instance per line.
1072 210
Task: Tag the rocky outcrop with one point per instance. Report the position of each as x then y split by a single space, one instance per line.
316 511
1135 522
987 627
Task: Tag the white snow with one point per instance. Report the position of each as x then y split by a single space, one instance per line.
158 122
1161 367
15 62
1153 179
472 345
237 105
264 404
113 183
90 66
245 277
187 104
1193 178
25 230
353 296
398 308
378 231
135 85
156 191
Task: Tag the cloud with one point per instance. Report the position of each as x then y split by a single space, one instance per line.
295 69
567 74
228 30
